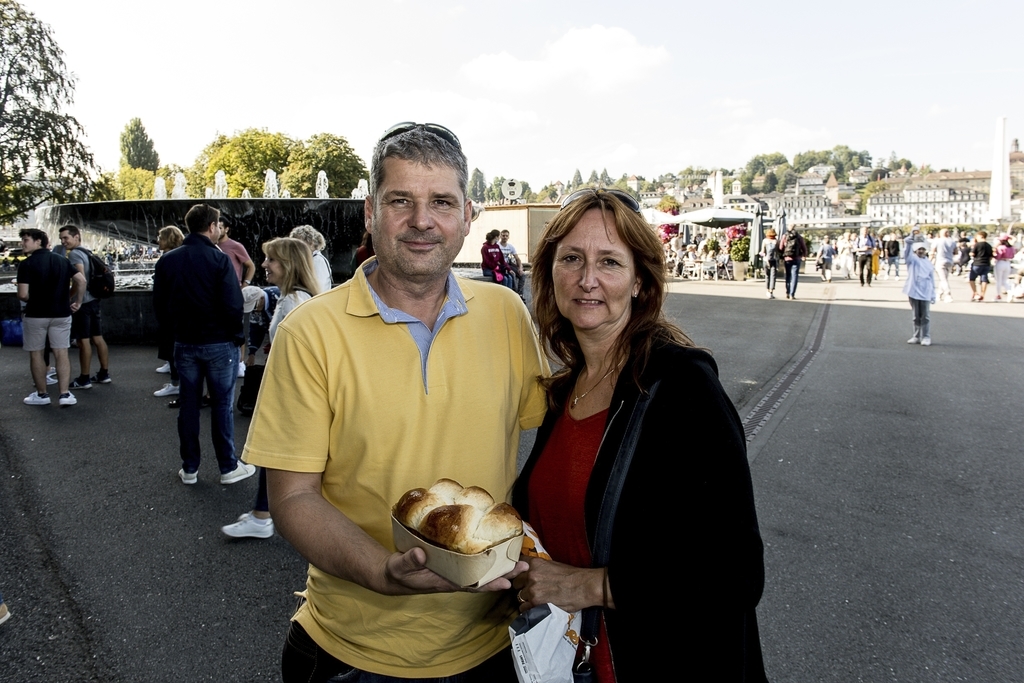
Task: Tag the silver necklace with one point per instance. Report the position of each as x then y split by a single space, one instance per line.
576 398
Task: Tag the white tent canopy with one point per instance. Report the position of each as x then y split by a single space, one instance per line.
716 216
655 217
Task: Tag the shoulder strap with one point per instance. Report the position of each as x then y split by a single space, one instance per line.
601 546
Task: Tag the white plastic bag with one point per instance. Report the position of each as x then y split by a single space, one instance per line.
544 641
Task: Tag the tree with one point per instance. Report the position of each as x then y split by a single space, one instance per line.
605 179
135 183
323 152
477 186
669 204
493 193
868 190
137 150
577 180
593 180
244 157
41 156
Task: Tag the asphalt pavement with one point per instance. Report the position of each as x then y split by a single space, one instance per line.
888 482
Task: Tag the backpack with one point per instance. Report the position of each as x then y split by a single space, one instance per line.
792 248
101 278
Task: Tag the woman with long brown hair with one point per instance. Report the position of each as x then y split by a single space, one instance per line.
631 382
289 265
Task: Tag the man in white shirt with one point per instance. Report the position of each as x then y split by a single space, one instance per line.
512 259
943 251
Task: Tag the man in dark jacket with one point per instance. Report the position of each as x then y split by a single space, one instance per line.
794 251
196 294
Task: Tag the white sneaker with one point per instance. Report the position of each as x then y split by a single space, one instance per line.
241 368
927 341
51 376
164 369
768 294
168 390
249 526
34 399
67 399
242 471
914 340
188 477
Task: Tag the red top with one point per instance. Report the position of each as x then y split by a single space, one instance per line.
557 493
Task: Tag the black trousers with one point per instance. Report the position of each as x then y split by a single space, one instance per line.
306 662
864 265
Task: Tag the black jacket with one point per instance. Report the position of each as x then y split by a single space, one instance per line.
687 566
196 294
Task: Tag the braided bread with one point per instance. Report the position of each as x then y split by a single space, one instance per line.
465 520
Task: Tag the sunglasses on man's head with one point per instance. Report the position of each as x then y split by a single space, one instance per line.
624 197
435 128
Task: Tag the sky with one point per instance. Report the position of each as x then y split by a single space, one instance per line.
536 89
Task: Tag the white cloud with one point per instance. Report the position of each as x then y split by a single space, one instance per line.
590 59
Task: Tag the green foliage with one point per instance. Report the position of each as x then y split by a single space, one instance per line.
669 204
841 157
41 155
546 195
739 250
872 188
594 179
323 152
137 150
244 157
896 164
493 193
104 189
771 182
605 179
477 186
577 180
135 183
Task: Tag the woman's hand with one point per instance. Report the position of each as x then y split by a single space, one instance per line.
568 587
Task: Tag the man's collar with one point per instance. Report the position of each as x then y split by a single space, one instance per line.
365 302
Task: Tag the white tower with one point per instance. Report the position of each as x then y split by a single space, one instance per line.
999 192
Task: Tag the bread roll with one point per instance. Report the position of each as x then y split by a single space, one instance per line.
465 520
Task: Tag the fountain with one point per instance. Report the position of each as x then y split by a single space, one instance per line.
362 190
270 185
108 225
179 191
220 185
159 188
321 185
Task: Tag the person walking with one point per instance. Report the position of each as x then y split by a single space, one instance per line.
865 247
825 256
943 253
794 251
1003 255
981 265
770 258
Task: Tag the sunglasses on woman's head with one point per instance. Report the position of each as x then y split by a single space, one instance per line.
623 197
435 128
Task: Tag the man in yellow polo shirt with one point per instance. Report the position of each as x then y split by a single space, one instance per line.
399 377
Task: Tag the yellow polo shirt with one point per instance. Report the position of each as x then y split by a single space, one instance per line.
344 394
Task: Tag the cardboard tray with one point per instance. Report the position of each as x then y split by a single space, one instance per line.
467 571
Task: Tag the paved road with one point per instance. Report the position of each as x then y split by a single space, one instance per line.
888 483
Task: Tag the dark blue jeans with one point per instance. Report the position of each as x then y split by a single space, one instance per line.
218 365
792 276
306 662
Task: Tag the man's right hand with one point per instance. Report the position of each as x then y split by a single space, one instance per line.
406 574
